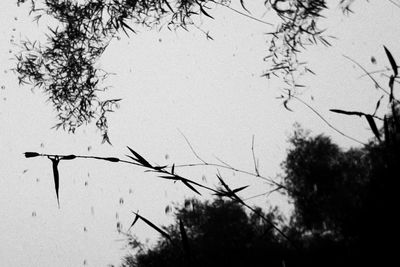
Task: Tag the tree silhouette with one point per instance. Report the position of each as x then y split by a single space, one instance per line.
218 233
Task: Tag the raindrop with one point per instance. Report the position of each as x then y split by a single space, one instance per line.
5 72
92 210
41 145
3 87
116 215
15 18
130 191
14 29
119 227
204 178
166 156
84 262
118 38
84 229
4 98
86 183
160 40
25 171
167 209
89 148
10 51
33 213
37 180
121 201
373 60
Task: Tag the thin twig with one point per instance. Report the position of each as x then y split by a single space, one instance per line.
243 14
327 122
191 148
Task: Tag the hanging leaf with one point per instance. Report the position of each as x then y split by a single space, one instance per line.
242 4
392 61
285 104
377 105
372 124
55 162
204 12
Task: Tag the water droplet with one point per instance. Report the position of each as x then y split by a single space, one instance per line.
373 60
24 171
86 183
119 227
5 72
84 262
15 18
41 145
3 87
37 180
14 29
130 191
121 201
10 51
84 229
160 40
89 148
33 213
166 156
92 210
116 215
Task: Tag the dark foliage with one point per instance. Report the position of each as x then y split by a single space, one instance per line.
64 66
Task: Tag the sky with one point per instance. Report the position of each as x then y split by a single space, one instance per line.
171 83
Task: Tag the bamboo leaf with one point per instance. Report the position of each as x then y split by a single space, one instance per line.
347 112
68 157
378 105
135 220
392 61
112 159
204 12
242 4
152 225
285 104
56 176
239 189
139 158
372 124
185 182
168 5
31 154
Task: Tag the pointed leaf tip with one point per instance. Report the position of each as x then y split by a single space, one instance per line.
31 154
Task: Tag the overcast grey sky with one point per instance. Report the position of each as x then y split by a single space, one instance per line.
170 82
